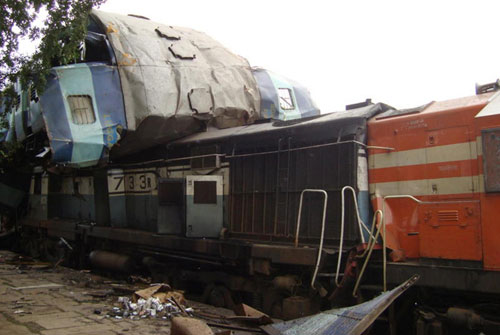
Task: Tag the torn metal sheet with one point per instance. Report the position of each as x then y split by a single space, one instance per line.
349 320
160 64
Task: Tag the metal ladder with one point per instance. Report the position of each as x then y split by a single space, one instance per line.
320 248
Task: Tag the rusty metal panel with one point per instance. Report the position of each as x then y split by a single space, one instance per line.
265 192
491 159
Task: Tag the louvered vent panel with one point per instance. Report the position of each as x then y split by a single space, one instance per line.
448 215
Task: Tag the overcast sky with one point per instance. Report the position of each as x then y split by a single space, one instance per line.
403 53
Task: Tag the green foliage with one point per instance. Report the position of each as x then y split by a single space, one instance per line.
12 157
61 25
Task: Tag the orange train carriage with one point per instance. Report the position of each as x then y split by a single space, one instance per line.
438 183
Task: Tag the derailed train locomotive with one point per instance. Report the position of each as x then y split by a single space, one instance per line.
162 148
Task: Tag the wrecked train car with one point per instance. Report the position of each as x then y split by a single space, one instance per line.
223 201
140 84
259 197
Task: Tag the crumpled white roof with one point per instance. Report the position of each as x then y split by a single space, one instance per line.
170 71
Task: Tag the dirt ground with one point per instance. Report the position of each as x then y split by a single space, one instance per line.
38 298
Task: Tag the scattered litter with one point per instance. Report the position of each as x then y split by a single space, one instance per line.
152 290
21 311
158 301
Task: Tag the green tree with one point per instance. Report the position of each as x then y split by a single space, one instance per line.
59 26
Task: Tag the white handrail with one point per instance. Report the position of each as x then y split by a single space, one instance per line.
369 249
361 224
342 224
320 249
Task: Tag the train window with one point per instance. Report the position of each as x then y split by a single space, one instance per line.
205 192
491 159
82 111
286 100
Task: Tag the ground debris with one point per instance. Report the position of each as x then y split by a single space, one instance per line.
157 301
248 314
49 286
26 262
189 326
84 301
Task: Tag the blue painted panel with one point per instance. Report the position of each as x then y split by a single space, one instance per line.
83 144
364 211
62 150
269 104
269 83
306 105
56 119
76 80
109 98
